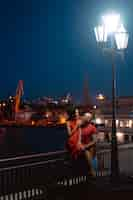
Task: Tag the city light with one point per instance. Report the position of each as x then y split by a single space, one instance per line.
47 115
98 121
33 122
106 122
130 123
100 97
117 122
120 137
62 120
121 124
4 104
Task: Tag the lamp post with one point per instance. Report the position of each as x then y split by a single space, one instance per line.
113 31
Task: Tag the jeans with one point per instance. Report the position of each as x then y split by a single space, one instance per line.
94 163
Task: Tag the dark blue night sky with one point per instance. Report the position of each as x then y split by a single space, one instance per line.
50 44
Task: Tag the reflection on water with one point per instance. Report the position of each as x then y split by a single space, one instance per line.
24 141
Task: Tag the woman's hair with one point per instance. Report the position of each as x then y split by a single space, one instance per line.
71 114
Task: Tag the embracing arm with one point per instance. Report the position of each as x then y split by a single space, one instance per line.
93 137
93 142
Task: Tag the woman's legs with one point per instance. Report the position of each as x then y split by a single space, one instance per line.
88 157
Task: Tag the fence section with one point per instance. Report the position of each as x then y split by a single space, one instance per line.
31 177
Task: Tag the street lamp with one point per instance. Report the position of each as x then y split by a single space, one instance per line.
112 30
101 34
111 22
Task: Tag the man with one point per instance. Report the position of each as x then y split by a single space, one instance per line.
88 140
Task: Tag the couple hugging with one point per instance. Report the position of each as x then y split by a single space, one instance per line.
82 137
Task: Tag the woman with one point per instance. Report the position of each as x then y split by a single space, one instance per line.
74 134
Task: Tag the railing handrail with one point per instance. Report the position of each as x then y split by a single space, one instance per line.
16 177
32 156
30 164
61 152
120 147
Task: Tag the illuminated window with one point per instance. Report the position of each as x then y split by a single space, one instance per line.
98 121
106 122
121 124
117 123
127 124
130 123
120 137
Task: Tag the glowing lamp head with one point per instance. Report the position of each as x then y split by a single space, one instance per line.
121 38
100 33
111 22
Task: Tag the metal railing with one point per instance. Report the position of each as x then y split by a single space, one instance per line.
125 155
30 177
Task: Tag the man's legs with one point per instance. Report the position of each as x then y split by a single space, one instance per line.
88 157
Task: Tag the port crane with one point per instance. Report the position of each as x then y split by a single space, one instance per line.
19 94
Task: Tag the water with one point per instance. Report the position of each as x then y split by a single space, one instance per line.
25 141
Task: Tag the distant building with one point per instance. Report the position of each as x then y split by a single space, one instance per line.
123 105
24 115
124 118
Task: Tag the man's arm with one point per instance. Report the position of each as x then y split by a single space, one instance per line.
93 142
